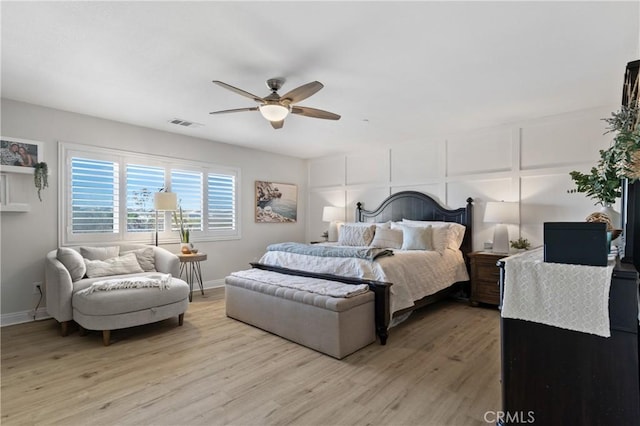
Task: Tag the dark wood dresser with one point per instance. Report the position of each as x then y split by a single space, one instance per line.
562 377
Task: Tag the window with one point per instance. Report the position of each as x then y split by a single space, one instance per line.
94 196
221 201
142 182
108 196
188 185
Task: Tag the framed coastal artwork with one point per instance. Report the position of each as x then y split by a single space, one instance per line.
276 202
19 155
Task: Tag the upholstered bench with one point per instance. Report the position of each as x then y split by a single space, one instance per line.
336 326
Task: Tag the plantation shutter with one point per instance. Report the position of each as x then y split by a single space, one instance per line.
188 186
94 196
107 195
221 202
142 183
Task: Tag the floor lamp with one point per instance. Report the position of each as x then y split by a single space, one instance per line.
164 201
502 214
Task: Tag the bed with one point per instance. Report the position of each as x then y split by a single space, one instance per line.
407 271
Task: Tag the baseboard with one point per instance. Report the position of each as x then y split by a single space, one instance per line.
27 316
24 316
213 283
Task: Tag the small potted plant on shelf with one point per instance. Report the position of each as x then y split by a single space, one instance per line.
520 244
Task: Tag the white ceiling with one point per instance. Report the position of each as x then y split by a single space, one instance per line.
395 71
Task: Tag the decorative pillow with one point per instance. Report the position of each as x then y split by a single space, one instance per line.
73 261
100 253
383 225
146 258
387 238
417 238
356 234
379 225
445 234
127 264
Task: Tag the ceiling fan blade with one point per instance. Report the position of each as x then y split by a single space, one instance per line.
277 124
303 92
315 113
234 110
239 91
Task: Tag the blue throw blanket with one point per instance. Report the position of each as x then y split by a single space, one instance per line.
331 251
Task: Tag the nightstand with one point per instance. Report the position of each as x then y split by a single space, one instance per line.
485 276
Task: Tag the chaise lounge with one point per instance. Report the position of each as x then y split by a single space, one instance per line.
130 301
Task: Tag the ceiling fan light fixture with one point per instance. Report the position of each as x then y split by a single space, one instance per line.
274 112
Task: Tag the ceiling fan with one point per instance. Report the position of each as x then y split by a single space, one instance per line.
275 108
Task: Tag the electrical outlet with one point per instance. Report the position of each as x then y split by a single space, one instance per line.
35 287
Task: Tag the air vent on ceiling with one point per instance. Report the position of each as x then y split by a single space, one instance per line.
185 123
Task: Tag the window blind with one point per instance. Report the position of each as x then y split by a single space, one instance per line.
94 196
188 186
108 196
142 183
221 201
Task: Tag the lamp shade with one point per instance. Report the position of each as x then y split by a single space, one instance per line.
501 212
165 201
331 214
274 112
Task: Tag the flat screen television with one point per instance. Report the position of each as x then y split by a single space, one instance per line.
578 243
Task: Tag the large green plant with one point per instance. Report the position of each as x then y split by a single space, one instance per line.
604 182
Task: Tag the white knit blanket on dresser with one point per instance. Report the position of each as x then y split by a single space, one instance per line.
574 297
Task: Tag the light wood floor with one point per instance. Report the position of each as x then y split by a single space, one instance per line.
440 367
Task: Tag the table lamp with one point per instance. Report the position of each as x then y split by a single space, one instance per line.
164 201
333 215
501 213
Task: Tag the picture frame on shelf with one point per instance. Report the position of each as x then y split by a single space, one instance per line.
20 155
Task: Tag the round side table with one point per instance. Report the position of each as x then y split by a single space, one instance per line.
190 264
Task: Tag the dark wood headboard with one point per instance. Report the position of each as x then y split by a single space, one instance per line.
415 205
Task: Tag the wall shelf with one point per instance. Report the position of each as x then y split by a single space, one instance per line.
15 208
12 192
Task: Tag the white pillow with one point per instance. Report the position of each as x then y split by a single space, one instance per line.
379 225
383 225
127 264
387 238
417 238
100 253
445 234
73 261
146 258
356 234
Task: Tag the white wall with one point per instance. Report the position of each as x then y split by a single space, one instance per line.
27 237
527 162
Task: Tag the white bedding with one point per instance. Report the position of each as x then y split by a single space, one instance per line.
414 273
